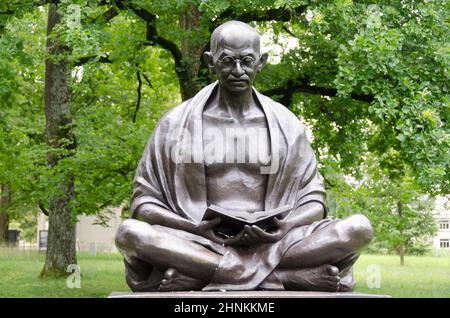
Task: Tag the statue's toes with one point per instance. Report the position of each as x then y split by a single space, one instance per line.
346 288
165 286
331 285
162 287
332 270
170 274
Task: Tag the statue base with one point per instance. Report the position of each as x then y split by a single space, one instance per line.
243 294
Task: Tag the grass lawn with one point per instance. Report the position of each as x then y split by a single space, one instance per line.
19 272
427 276
422 276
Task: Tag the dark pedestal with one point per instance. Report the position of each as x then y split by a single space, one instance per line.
244 294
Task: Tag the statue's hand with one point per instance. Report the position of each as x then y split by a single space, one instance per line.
238 239
255 234
251 235
206 229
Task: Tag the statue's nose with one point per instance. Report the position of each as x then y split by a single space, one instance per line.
237 70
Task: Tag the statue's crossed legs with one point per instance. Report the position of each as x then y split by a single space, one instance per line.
321 261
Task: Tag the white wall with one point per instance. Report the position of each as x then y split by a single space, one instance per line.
441 213
90 236
101 238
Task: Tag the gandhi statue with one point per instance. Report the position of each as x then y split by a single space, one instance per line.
167 244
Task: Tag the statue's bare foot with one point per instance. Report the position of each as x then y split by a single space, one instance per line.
322 278
175 281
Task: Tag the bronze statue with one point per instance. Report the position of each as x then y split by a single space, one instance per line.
188 166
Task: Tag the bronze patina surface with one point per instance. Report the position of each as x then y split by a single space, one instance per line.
232 147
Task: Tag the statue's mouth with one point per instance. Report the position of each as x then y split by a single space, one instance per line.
242 81
238 80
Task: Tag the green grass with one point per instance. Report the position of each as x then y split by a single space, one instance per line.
19 272
427 276
422 276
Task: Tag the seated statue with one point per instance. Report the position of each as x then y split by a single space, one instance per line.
234 148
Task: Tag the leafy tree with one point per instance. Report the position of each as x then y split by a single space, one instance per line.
371 77
368 77
371 70
16 135
112 119
62 144
401 215
4 215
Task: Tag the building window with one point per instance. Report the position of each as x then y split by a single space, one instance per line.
445 243
443 225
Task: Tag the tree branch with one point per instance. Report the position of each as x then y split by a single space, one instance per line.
143 13
288 89
152 35
279 14
43 209
121 139
327 182
147 80
106 16
285 28
138 103
266 15
85 59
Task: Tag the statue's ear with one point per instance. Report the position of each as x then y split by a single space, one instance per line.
262 61
209 60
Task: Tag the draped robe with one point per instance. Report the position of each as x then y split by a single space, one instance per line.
180 185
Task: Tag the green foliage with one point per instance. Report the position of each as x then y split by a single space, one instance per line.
401 215
401 57
369 78
27 223
382 72
21 114
104 98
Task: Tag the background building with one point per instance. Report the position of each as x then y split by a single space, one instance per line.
90 235
442 217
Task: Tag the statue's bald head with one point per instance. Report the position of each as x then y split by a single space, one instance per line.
235 56
234 32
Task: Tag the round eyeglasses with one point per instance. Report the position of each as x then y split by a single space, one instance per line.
246 61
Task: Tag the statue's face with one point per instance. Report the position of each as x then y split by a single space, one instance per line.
237 60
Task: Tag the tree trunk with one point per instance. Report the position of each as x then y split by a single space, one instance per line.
61 233
401 249
4 216
191 52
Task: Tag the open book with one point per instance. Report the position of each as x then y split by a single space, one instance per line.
232 222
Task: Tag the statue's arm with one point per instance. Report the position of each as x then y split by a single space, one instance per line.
305 215
156 215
